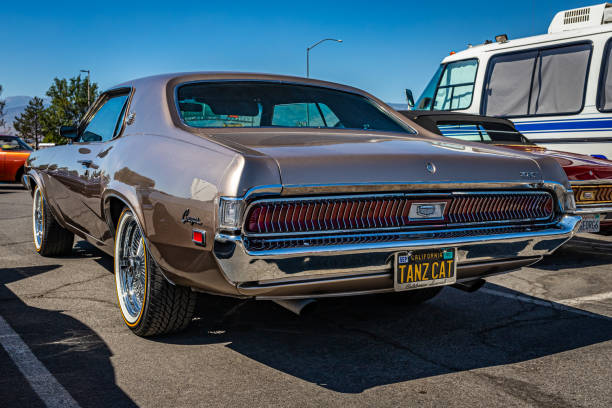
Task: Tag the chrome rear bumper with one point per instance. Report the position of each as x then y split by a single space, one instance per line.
365 267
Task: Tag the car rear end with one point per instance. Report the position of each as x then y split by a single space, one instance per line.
302 246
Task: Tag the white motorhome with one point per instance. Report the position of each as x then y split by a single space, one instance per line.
556 87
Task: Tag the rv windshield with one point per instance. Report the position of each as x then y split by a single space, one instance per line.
424 102
451 87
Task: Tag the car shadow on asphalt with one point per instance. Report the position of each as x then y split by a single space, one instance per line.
349 345
579 252
72 352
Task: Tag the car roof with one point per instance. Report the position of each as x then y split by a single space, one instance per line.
181 77
441 116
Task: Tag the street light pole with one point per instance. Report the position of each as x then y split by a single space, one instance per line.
88 80
308 53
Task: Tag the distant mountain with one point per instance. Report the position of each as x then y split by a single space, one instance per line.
14 106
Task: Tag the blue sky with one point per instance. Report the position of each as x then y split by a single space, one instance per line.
388 46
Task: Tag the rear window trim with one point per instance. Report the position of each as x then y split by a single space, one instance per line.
388 112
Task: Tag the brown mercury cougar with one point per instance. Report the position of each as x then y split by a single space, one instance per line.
283 188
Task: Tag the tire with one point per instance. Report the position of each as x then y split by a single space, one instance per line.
413 297
149 304
18 177
50 238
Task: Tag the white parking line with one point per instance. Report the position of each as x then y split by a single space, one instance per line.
546 303
48 389
586 299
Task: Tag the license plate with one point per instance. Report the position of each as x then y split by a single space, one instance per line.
424 268
590 223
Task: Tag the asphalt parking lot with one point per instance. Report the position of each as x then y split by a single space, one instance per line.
541 336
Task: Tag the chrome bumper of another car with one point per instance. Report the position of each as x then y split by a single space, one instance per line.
593 209
366 267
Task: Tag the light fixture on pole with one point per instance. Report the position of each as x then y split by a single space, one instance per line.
308 53
88 81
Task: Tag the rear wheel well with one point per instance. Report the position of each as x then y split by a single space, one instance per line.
115 208
19 174
33 184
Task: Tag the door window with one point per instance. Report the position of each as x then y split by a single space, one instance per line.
456 86
106 122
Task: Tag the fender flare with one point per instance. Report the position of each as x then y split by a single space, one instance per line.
106 210
33 176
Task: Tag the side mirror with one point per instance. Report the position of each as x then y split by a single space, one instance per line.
410 98
69 132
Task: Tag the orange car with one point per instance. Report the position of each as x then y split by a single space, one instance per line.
13 154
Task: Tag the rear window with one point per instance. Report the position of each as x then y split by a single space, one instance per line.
545 81
261 104
483 132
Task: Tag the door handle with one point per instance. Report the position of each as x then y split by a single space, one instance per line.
86 163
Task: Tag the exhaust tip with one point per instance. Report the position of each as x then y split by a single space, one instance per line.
301 307
470 286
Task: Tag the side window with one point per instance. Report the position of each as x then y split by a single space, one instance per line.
106 121
506 92
604 93
539 82
456 86
559 81
298 115
331 120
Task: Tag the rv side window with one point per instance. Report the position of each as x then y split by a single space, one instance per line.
548 81
604 93
456 86
506 92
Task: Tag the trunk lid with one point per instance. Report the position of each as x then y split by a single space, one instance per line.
327 157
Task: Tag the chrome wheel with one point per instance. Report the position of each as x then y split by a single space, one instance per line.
130 268
38 219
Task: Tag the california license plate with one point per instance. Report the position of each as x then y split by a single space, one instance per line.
425 268
590 223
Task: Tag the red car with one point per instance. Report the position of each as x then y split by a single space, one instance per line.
590 177
13 154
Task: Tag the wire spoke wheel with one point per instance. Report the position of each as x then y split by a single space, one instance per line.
130 268
149 303
38 218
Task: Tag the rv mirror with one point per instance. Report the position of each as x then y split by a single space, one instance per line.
409 98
